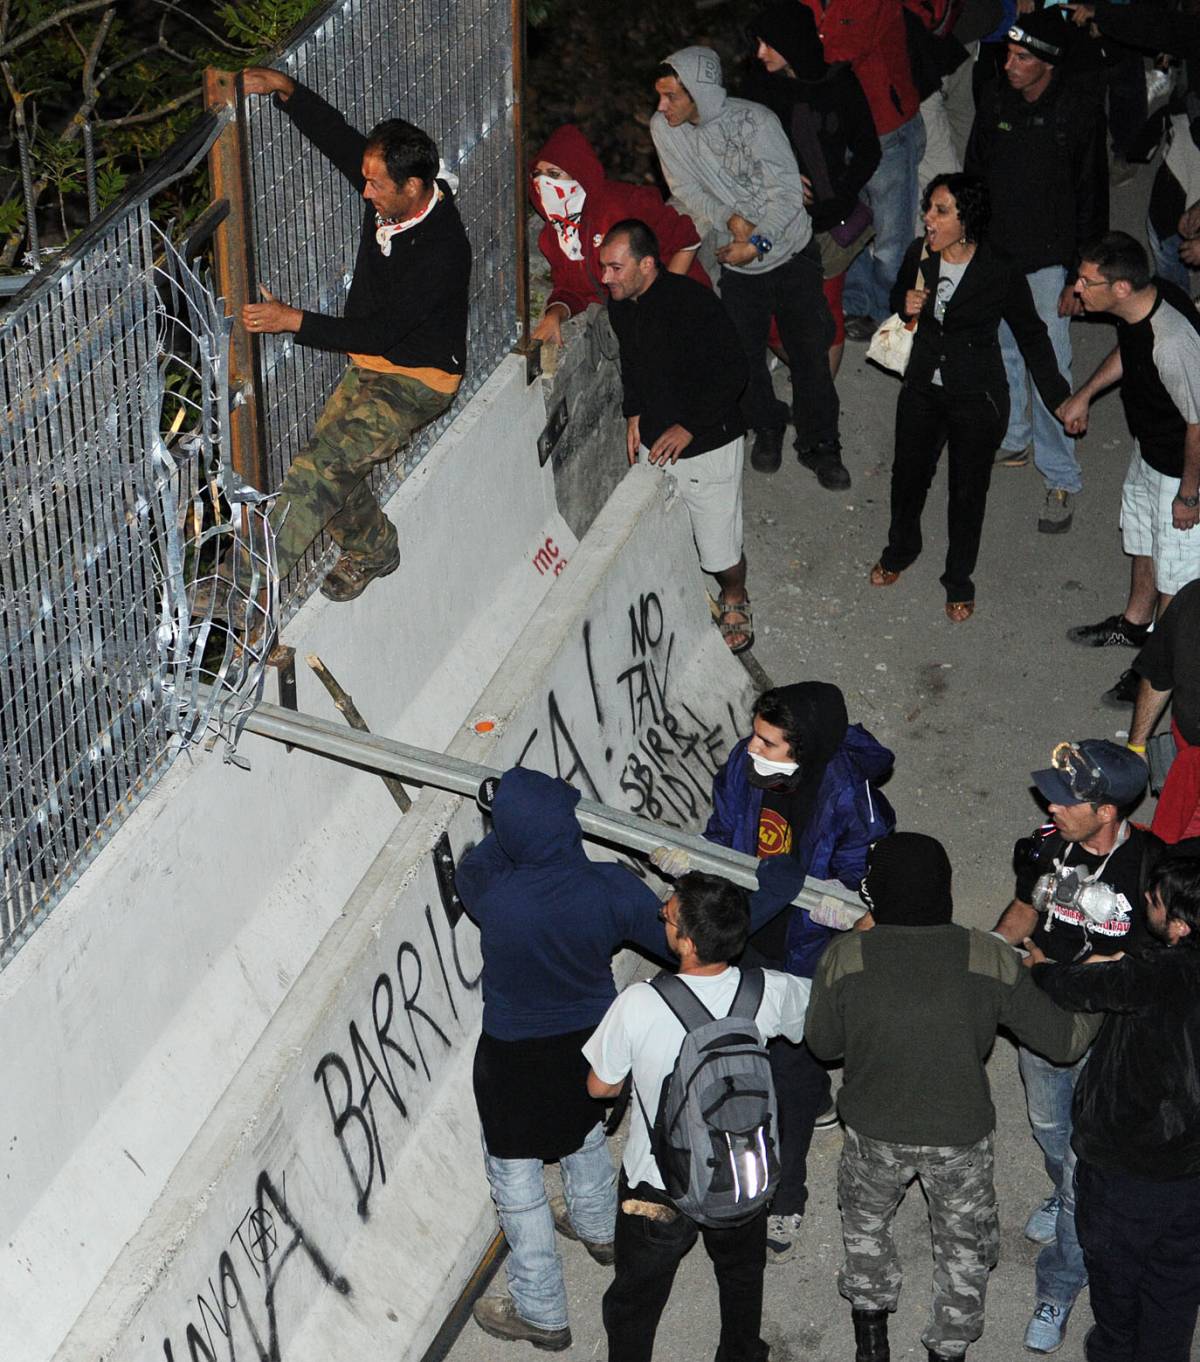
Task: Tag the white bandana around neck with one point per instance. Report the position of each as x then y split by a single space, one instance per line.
562 201
386 228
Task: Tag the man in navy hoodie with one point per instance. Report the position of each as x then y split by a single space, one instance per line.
550 921
802 788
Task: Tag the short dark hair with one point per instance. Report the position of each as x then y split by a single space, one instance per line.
1177 880
668 72
406 150
714 915
772 707
642 241
971 198
1119 258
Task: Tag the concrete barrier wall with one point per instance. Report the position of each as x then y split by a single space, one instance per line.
334 1203
131 1009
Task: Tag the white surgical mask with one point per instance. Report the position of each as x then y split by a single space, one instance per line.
765 767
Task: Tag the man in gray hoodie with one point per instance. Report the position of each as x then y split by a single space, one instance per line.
729 163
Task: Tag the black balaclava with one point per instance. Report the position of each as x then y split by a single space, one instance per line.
789 27
908 881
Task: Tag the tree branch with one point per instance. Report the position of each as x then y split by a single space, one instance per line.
204 28
161 112
82 7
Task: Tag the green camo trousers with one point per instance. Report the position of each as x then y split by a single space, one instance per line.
958 1183
366 420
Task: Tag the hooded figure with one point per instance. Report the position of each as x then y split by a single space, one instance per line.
822 108
908 882
579 210
550 921
830 805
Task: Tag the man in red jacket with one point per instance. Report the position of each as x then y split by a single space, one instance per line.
568 188
871 36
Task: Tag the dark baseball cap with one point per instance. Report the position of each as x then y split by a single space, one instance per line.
1093 770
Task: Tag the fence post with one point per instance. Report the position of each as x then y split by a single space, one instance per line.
526 347
233 258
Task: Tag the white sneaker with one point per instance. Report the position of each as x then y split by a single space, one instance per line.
783 1235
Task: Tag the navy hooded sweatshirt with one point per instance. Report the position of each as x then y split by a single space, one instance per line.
550 919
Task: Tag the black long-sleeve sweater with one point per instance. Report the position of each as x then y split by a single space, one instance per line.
410 306
681 363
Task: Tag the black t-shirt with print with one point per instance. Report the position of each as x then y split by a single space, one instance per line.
1065 934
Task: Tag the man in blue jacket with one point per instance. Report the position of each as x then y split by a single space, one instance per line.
801 788
550 921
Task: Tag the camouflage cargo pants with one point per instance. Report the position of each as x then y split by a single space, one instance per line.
958 1183
366 420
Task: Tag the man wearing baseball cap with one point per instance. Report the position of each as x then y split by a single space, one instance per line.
1078 894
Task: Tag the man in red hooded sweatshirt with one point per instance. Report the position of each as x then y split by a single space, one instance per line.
568 187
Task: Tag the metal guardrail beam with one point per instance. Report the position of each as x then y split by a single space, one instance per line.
419 766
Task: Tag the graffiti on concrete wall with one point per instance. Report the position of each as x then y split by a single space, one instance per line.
658 752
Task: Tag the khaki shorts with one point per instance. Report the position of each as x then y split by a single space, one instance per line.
711 487
1147 531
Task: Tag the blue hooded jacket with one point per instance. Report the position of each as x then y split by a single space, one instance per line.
849 813
550 919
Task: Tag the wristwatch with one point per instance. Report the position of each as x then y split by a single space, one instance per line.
762 244
1190 502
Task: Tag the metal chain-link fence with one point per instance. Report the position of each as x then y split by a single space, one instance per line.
102 497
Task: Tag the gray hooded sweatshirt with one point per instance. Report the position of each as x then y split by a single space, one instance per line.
736 159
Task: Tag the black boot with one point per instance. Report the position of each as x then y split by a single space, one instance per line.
767 454
825 460
870 1336
941 1357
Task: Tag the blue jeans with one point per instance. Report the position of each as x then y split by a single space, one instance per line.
1060 1274
892 194
1164 251
535 1277
1053 448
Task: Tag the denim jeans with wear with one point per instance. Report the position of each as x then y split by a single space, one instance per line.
648 1254
535 1276
892 194
1141 1241
1053 449
1049 1088
1164 251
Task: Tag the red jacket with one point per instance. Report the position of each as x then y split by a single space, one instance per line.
870 35
577 282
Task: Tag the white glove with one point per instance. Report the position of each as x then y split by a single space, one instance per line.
831 912
672 861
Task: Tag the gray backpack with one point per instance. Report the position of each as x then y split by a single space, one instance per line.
715 1136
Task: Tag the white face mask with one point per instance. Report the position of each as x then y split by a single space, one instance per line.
562 201
765 767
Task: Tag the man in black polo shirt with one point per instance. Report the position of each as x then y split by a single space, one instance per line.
1157 364
683 372
1077 894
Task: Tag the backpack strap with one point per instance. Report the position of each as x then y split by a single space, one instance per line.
689 1011
748 998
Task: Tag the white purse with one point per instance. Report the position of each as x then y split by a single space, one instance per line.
892 343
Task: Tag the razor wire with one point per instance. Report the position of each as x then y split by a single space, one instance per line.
115 485
446 68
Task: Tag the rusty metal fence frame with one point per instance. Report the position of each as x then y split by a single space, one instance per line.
93 606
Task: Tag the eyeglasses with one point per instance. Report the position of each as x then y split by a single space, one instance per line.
667 921
1091 283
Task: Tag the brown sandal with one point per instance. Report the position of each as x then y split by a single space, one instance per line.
959 611
881 576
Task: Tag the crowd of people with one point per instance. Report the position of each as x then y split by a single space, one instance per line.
991 130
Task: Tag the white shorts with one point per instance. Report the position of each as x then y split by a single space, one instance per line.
1147 531
711 487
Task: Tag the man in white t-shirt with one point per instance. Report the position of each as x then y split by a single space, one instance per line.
707 921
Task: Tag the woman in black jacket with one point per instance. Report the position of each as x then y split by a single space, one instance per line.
954 391
827 120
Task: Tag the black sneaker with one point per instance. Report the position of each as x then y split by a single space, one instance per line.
767 454
825 460
1124 692
861 328
1113 632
